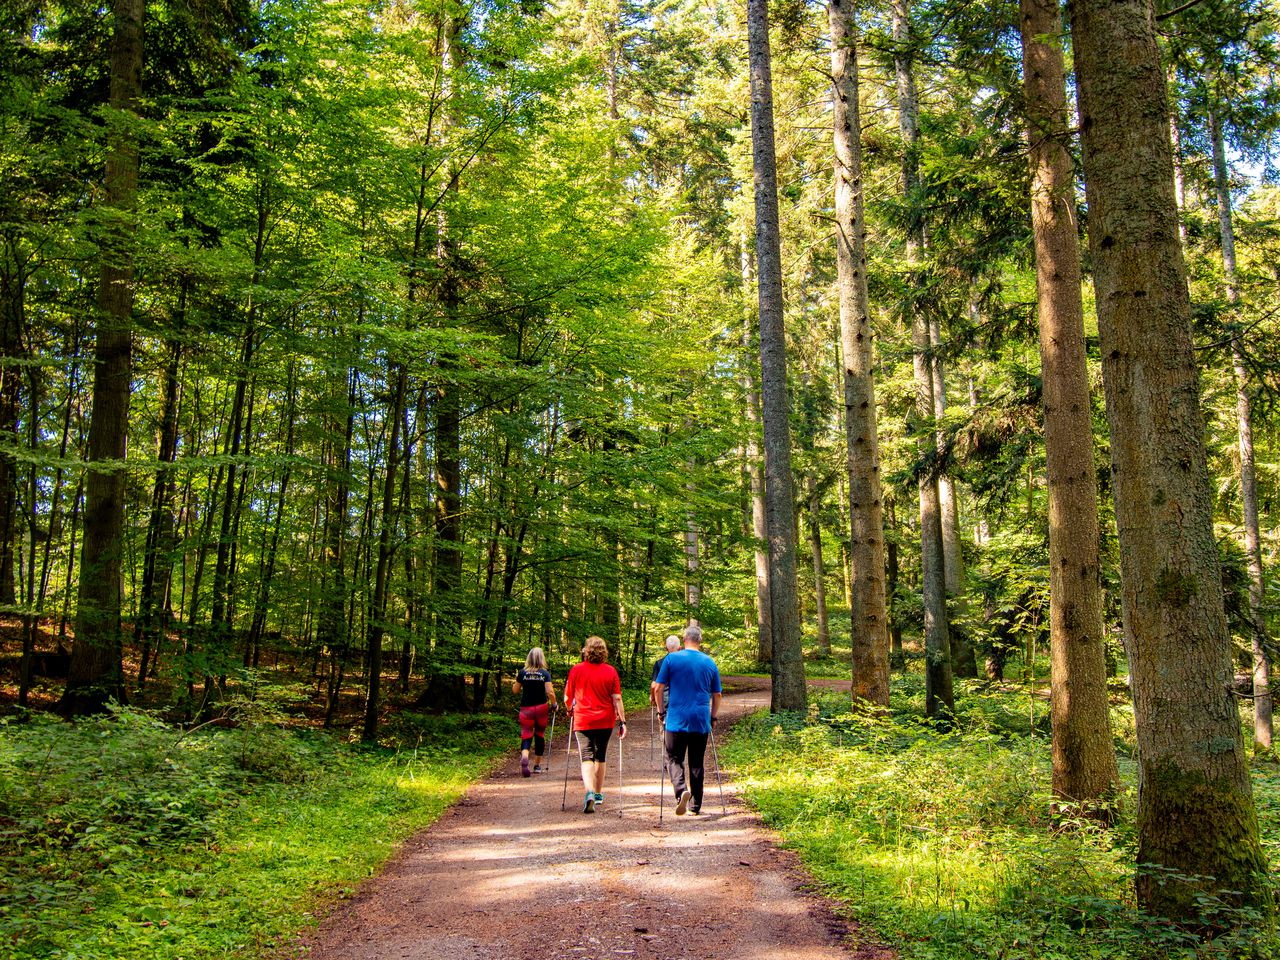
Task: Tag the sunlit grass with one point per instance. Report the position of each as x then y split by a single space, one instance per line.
943 845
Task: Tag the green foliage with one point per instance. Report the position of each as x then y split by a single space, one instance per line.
124 837
947 846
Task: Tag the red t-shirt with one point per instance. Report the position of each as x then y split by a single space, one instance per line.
590 689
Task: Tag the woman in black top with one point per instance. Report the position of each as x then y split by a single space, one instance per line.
537 700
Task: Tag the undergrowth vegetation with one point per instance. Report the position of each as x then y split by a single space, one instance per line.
123 837
944 844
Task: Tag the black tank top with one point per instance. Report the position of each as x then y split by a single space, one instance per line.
533 687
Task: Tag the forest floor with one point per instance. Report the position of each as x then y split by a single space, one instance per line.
507 875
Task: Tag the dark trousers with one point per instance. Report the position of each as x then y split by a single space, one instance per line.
677 742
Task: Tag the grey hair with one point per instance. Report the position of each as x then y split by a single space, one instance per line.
673 643
693 633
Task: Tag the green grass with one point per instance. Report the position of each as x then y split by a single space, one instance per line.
942 844
122 838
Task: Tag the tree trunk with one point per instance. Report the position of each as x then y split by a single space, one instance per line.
157 564
938 686
1195 807
819 568
759 529
1259 641
382 571
97 671
1084 759
13 282
868 608
1179 175
788 661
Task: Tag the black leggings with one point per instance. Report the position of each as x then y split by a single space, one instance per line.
676 743
537 741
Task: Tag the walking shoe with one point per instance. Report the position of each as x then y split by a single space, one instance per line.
524 767
599 799
683 804
695 811
589 805
537 768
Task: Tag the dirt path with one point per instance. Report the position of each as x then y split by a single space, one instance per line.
505 875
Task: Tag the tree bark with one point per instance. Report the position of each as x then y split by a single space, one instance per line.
759 530
788 664
97 671
1084 759
939 698
1259 641
1195 807
868 608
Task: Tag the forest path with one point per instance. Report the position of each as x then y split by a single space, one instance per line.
505 875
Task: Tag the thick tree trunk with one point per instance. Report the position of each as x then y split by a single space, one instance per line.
759 530
939 698
97 672
868 608
1084 759
1196 814
788 661
1259 641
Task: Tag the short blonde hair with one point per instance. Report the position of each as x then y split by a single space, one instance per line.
596 650
536 660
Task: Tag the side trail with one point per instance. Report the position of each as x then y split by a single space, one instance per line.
505 875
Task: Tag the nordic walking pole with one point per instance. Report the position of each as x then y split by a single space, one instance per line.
620 729
551 735
652 711
567 747
716 757
662 783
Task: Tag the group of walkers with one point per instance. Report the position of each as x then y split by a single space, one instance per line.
685 693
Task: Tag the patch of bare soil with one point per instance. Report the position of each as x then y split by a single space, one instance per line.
507 875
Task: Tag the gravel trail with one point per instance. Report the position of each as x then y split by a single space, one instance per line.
506 875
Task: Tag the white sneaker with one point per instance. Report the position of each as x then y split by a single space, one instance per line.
683 803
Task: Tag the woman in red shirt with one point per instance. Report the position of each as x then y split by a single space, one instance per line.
593 693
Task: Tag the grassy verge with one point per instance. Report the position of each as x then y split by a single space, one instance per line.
123 838
941 844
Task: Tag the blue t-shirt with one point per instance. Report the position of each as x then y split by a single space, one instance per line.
691 678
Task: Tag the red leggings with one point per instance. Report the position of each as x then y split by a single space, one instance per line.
533 725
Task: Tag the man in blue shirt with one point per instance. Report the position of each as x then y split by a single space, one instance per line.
693 681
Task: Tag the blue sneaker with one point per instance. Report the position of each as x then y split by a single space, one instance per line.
589 804
599 799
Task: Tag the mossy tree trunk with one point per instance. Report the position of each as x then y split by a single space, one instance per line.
1196 814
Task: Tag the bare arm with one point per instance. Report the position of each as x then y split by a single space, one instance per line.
551 694
715 705
621 714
